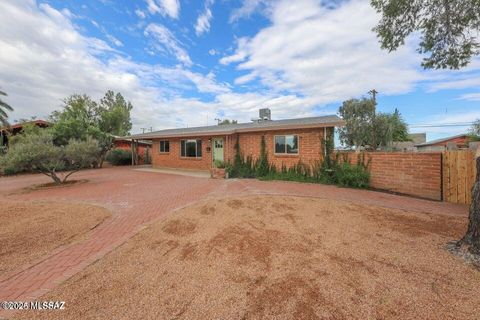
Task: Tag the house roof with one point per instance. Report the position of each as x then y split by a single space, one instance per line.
122 139
254 126
40 123
429 143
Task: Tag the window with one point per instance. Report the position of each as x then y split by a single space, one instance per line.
286 144
164 146
191 148
218 144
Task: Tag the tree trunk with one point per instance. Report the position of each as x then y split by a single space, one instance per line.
55 178
472 237
69 174
101 160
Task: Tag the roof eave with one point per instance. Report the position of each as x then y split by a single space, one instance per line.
239 130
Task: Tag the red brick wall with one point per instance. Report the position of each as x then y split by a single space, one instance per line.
310 146
173 159
417 174
310 149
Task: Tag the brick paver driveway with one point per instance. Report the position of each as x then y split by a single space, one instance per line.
137 198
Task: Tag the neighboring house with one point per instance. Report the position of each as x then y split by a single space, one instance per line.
459 141
142 148
14 129
287 142
414 139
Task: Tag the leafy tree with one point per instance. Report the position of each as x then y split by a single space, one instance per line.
82 117
226 121
358 116
114 114
77 119
4 107
474 133
366 128
448 29
35 150
388 128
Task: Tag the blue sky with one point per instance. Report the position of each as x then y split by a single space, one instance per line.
185 63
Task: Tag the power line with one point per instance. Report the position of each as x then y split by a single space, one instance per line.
458 124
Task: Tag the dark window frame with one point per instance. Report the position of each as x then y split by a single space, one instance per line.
198 148
285 151
166 146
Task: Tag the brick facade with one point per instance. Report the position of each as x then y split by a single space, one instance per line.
310 146
173 159
416 174
310 149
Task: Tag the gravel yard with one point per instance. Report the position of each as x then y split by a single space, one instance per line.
30 230
271 257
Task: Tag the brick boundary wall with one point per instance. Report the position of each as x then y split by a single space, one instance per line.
416 174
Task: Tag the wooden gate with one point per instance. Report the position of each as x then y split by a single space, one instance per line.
458 176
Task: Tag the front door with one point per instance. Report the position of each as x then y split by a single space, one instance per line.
218 149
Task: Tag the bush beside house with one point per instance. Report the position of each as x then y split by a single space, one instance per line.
329 170
119 157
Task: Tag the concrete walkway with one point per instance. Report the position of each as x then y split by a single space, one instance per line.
138 197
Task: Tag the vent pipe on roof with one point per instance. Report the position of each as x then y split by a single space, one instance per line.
265 114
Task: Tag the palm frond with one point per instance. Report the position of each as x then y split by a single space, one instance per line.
5 105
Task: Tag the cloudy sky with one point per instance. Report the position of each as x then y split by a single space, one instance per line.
187 62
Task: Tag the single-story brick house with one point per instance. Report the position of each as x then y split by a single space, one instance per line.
459 141
287 142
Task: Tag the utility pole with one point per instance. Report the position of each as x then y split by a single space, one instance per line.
143 130
218 120
374 92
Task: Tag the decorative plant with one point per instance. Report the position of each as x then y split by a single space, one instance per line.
219 164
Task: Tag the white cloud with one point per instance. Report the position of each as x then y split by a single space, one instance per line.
169 8
165 40
248 7
240 54
44 58
304 58
114 40
203 21
327 55
140 14
470 96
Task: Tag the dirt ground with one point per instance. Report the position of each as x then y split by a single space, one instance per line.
268 257
28 231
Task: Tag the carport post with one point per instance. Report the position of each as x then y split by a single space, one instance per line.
133 151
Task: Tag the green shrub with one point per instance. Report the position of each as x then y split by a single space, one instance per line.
10 171
35 151
331 170
219 164
120 157
355 176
